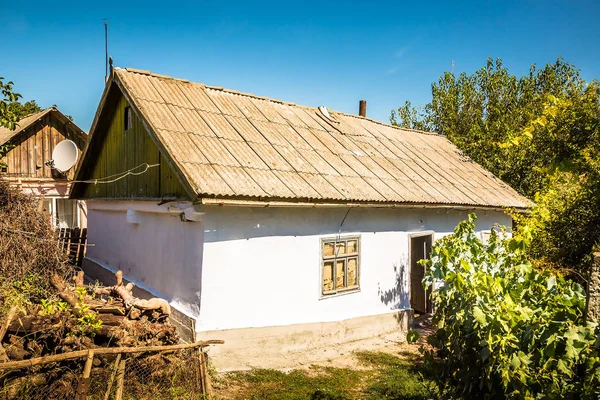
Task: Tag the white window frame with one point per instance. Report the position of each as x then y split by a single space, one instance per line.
343 291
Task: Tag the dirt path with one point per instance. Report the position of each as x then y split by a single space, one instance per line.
341 355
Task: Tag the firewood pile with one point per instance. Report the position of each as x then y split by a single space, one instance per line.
45 307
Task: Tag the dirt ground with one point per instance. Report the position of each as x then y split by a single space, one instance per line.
338 356
342 355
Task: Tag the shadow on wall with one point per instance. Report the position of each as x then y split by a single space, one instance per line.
396 297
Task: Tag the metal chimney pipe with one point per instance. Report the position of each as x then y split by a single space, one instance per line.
362 108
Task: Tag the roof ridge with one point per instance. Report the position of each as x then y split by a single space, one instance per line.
265 98
390 125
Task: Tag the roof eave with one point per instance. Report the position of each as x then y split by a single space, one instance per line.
241 202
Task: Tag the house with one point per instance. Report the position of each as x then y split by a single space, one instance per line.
274 226
26 164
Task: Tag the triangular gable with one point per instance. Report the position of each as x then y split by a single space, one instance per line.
7 135
161 182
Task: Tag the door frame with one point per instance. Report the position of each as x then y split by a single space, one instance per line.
411 236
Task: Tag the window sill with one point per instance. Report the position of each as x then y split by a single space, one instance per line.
338 294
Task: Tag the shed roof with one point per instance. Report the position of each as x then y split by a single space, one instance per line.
24 123
228 144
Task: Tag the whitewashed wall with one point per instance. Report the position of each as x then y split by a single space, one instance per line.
262 265
252 267
158 252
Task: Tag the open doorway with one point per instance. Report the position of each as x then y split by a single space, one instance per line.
420 248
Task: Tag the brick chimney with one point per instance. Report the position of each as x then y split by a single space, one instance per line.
362 108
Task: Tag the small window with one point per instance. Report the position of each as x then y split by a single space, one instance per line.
485 237
128 119
340 265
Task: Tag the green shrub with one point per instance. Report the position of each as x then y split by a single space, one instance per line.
505 329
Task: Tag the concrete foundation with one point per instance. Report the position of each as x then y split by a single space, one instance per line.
281 346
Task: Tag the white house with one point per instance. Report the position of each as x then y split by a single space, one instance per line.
273 226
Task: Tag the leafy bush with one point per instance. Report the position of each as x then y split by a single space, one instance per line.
505 329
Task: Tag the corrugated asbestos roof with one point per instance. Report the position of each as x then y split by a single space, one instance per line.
227 143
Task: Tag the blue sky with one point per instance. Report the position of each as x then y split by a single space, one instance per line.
309 52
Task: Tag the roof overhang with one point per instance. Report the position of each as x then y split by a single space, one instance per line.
326 205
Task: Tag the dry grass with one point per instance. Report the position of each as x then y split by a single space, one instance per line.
29 251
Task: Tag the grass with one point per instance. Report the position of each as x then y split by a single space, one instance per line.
398 378
386 376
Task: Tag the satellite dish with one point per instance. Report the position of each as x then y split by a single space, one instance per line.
65 155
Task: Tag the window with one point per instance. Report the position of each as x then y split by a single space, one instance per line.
485 237
340 265
128 119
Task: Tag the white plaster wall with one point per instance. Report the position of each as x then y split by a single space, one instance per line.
160 253
261 266
252 267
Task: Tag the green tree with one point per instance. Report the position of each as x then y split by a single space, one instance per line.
538 133
21 110
8 117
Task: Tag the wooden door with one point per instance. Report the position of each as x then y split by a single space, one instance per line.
420 247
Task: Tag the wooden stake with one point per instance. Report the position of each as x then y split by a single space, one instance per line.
120 380
206 384
112 376
84 382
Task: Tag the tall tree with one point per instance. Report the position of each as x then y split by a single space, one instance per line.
537 132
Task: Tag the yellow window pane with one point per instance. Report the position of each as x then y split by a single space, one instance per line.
328 249
340 248
352 272
352 246
340 271
327 276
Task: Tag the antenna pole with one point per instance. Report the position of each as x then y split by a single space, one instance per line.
452 67
105 23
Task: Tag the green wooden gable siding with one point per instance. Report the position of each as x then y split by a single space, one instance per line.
118 150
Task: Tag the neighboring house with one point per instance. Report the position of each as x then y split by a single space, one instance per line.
26 163
301 225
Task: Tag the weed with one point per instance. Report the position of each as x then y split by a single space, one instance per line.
52 306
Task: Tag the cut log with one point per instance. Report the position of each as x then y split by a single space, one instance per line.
5 325
151 304
63 292
79 279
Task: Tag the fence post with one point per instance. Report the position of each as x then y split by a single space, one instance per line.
84 381
112 376
204 377
592 308
120 380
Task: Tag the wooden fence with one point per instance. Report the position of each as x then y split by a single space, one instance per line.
74 243
111 373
